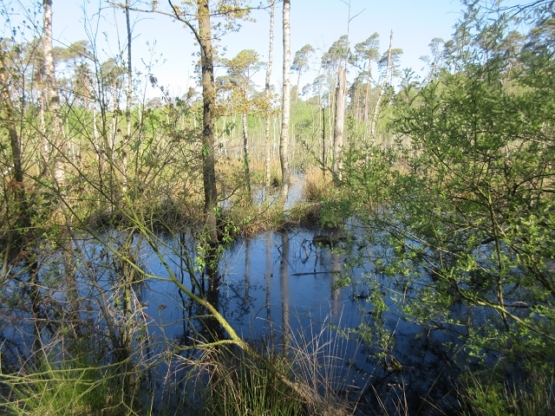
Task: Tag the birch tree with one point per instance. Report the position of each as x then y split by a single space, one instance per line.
267 94
129 94
53 132
285 102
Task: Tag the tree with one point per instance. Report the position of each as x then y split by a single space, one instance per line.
202 30
128 92
53 133
285 102
434 60
389 64
473 204
301 62
367 52
339 119
338 51
267 94
75 56
240 72
335 60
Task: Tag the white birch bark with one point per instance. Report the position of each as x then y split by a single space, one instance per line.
53 131
339 120
286 102
267 95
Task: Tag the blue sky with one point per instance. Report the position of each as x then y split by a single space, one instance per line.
317 22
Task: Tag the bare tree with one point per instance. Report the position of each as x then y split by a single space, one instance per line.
285 102
129 94
53 133
339 119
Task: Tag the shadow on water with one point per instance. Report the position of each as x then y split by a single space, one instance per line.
278 290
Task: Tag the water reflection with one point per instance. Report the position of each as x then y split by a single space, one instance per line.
278 288
284 286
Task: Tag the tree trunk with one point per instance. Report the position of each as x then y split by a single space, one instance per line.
286 102
268 96
339 121
246 155
53 132
208 121
382 89
323 141
367 96
19 240
129 94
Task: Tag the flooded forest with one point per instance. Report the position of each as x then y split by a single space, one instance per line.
375 242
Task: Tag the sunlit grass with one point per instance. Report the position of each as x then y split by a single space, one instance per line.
533 395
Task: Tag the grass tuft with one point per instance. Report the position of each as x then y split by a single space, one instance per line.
530 396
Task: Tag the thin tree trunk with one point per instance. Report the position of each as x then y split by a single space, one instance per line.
382 89
297 92
286 102
129 94
267 93
367 96
324 142
53 133
339 120
246 155
19 239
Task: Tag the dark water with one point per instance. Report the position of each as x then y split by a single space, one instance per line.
278 290
281 289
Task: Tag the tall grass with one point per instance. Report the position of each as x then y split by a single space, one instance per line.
482 395
318 185
241 385
65 388
317 382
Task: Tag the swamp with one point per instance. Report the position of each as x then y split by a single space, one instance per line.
377 243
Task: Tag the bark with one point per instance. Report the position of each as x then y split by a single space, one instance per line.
297 92
367 95
204 38
267 95
382 89
129 94
53 133
246 154
339 121
286 102
208 121
323 141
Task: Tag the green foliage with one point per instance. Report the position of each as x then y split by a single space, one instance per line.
461 207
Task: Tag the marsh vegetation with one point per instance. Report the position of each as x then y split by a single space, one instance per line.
387 247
